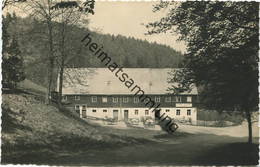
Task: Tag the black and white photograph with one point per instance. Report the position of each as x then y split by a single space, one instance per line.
130 83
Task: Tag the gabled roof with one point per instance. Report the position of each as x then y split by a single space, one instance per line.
103 81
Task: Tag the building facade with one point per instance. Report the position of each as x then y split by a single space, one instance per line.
97 93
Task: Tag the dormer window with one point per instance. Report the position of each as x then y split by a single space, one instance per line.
64 98
168 99
94 99
115 99
189 99
174 99
136 100
157 99
125 99
104 99
77 97
178 99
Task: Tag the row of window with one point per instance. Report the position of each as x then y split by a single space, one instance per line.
178 112
136 99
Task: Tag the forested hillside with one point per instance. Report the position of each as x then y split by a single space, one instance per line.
129 52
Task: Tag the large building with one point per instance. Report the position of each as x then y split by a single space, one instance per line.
102 93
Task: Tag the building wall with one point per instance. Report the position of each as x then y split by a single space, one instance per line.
107 109
138 113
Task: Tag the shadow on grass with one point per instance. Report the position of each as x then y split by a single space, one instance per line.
9 123
230 154
56 146
172 136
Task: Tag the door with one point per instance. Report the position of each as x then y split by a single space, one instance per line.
157 114
125 115
84 111
115 114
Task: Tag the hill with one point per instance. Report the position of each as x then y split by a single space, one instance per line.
32 129
126 51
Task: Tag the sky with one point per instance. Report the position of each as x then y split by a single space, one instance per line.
127 18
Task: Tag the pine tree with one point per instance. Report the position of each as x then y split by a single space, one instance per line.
12 64
126 62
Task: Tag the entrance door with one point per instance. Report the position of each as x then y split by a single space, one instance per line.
84 111
157 114
115 114
125 115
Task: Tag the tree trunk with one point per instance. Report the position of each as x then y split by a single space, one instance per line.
249 122
62 49
60 86
50 80
51 55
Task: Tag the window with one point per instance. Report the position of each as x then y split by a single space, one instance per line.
146 112
94 110
77 107
125 99
64 98
168 99
178 112
104 110
167 110
188 98
94 99
188 112
104 99
115 99
178 99
84 108
157 99
136 112
77 97
136 100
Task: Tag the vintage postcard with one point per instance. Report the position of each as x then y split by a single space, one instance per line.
130 83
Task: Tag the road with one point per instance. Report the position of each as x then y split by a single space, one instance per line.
201 146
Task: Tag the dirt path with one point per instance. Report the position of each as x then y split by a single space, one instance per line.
233 131
203 149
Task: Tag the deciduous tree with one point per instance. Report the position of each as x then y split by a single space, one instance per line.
222 52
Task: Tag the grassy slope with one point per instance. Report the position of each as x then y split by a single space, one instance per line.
30 126
31 86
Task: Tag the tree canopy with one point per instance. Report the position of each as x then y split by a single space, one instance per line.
127 51
222 51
